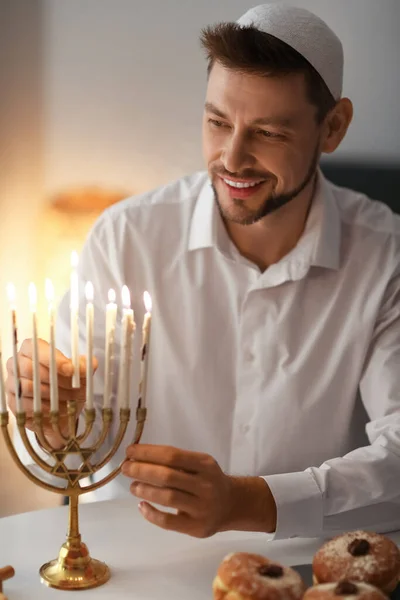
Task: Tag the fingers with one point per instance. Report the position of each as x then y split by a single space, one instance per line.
160 476
43 352
192 462
180 522
64 367
26 371
168 497
27 390
64 364
27 406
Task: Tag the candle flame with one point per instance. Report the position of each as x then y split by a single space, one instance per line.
49 290
74 259
89 291
126 297
147 301
11 292
111 296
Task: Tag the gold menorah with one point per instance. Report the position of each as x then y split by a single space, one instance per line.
74 568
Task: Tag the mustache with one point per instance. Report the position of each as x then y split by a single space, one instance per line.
246 174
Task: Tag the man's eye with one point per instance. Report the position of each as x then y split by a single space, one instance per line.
268 134
216 123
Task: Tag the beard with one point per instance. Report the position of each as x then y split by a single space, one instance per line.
272 202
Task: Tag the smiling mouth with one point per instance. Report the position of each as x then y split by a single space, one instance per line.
242 184
241 190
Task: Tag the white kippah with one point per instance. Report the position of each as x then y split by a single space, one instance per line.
306 33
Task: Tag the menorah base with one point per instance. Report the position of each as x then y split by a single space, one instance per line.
74 569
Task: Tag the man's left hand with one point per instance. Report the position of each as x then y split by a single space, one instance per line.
205 499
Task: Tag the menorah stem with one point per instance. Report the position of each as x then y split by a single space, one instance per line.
72 420
73 535
74 569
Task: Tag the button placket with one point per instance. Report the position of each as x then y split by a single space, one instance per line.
247 386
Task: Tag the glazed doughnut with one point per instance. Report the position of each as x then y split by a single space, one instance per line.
351 590
359 556
243 576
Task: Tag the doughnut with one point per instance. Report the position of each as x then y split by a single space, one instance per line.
244 576
359 556
351 590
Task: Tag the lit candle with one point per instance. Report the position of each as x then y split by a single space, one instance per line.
74 305
3 403
49 290
37 401
18 388
111 315
127 333
89 292
145 349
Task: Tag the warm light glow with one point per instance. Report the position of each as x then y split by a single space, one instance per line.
49 290
32 296
111 296
74 259
11 292
147 301
126 297
89 291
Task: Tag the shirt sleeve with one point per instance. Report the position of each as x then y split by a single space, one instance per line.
362 488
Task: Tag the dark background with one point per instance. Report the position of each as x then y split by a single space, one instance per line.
379 182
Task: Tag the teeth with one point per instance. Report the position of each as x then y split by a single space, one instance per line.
241 185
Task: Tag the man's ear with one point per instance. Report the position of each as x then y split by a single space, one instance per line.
336 124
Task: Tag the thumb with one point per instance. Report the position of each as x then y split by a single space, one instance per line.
66 367
83 364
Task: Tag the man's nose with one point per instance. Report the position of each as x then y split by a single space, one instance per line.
236 155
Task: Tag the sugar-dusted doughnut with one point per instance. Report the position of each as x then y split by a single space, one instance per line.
359 556
351 590
244 576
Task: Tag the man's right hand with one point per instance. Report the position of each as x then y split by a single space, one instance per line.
65 390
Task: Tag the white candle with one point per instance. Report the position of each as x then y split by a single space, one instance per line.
37 400
127 333
89 293
3 403
145 349
74 305
49 290
111 315
18 389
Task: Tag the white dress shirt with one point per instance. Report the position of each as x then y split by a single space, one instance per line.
291 374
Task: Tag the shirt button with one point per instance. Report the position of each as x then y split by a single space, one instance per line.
245 428
248 355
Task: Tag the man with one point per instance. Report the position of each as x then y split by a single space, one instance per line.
276 324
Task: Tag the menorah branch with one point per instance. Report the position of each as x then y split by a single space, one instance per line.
10 446
107 417
141 414
124 414
55 423
90 416
72 420
40 435
141 418
21 421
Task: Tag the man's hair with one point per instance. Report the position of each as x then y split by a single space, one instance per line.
248 50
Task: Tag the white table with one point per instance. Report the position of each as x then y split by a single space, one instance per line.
146 562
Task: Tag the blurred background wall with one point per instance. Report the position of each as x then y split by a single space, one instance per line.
100 99
125 82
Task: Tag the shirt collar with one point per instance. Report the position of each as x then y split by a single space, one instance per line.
320 239
327 248
207 229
